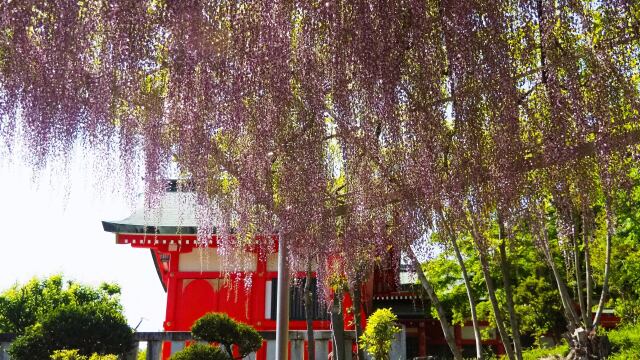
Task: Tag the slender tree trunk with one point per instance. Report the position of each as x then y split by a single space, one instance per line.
446 327
491 289
513 317
467 285
586 233
308 312
570 311
356 296
582 342
584 312
607 261
472 301
337 324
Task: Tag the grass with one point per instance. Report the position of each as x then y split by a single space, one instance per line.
625 344
539 353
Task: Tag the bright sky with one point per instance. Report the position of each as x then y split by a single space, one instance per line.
46 232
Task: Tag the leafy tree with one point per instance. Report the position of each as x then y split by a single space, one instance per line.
625 286
89 328
535 296
379 333
48 314
22 306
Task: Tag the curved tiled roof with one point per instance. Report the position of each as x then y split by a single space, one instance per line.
174 215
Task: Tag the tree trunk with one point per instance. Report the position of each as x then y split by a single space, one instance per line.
567 303
586 233
467 285
506 279
308 312
356 296
584 312
583 342
337 325
446 327
607 261
491 289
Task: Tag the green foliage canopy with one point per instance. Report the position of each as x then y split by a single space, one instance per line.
90 328
22 306
50 315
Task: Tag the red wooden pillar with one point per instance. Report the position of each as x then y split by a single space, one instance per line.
422 338
174 290
258 293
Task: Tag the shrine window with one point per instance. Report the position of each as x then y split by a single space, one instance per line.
296 301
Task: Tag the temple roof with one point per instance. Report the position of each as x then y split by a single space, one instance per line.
174 215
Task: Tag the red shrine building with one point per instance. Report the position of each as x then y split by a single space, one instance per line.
198 280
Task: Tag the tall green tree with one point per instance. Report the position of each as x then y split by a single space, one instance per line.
52 314
22 306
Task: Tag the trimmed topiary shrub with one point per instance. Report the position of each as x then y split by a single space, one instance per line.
200 352
249 339
220 328
216 327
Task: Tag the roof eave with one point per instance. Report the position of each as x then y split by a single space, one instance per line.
115 227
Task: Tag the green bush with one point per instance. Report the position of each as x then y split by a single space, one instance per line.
103 357
628 310
200 352
380 333
90 328
67 355
75 355
220 328
625 341
625 344
216 327
557 351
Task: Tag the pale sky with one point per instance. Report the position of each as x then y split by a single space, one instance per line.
46 232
